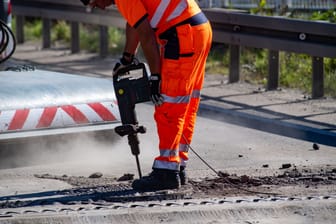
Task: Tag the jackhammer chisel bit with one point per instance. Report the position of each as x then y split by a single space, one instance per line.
130 89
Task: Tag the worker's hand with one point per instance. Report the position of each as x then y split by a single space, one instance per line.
102 4
85 2
124 61
154 83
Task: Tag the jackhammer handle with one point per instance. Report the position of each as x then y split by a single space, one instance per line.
125 71
133 142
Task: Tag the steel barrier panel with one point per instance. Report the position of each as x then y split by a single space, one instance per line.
313 38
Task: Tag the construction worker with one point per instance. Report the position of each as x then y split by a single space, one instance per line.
175 37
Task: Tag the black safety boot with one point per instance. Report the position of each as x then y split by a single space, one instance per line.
183 175
159 179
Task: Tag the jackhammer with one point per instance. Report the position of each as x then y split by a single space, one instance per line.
131 85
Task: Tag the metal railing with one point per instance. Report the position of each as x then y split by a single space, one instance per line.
271 4
317 39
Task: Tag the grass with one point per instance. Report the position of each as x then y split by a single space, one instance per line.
295 69
61 34
218 60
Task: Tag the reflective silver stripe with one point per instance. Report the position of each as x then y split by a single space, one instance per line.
178 10
183 148
181 99
177 99
159 13
166 165
168 152
183 162
196 93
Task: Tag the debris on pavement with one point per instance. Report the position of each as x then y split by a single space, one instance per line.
126 177
316 146
224 185
96 175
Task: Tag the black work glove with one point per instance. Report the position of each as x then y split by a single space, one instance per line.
154 83
126 60
85 2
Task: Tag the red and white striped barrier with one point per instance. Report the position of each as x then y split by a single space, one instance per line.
58 116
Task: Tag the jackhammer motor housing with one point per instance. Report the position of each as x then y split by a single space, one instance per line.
131 85
133 82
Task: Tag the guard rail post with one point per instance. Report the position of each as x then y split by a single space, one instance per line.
234 69
317 77
273 70
19 32
46 39
75 40
103 43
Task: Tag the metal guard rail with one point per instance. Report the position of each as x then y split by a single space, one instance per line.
72 11
317 39
275 33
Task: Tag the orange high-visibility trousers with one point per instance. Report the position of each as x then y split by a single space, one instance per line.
182 77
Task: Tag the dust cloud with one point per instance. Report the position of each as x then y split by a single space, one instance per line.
88 152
